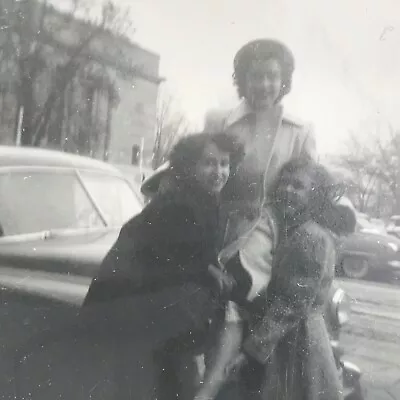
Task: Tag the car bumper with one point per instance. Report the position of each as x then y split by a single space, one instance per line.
351 376
349 373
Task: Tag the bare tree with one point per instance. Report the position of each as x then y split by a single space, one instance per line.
170 125
361 176
388 160
25 49
373 178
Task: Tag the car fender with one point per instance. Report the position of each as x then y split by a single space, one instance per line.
355 254
68 289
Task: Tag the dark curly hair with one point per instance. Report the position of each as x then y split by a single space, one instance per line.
263 49
323 204
187 152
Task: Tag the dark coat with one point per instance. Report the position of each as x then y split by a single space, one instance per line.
290 336
150 303
171 242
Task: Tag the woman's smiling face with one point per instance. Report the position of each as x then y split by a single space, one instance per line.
293 193
263 83
213 168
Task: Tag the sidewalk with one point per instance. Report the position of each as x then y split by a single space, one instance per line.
380 373
382 384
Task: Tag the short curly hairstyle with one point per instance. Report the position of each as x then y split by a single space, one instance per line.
323 205
263 49
189 149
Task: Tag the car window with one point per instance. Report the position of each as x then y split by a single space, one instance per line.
113 195
41 200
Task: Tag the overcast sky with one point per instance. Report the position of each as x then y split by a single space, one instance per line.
347 53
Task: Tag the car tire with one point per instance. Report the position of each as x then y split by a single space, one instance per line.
355 268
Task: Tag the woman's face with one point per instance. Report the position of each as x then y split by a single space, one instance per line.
293 193
263 83
213 168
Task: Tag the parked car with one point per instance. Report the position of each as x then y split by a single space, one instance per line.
369 252
60 214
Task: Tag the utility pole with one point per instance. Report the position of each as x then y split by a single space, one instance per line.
378 197
18 136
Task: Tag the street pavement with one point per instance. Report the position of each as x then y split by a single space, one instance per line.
372 337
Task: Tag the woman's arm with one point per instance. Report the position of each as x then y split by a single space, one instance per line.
174 244
163 249
115 276
164 244
300 275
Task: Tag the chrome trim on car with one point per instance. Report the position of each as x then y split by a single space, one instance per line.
338 296
339 299
345 252
53 233
352 367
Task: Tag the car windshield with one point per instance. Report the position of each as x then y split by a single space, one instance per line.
51 200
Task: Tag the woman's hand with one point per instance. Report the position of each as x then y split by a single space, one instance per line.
225 281
235 364
211 387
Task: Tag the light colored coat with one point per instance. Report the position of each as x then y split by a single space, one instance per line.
269 140
291 337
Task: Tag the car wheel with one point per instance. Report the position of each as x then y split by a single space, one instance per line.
355 268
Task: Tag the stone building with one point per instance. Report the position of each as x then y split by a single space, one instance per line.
107 107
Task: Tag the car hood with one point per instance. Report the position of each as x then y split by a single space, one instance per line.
368 242
78 253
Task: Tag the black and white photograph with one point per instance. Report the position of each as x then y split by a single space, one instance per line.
199 200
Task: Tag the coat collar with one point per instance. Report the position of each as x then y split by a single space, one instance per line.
244 110
192 192
188 193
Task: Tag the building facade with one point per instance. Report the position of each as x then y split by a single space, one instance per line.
99 99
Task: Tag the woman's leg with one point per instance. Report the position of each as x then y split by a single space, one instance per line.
220 356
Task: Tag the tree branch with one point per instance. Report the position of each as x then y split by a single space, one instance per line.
67 72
